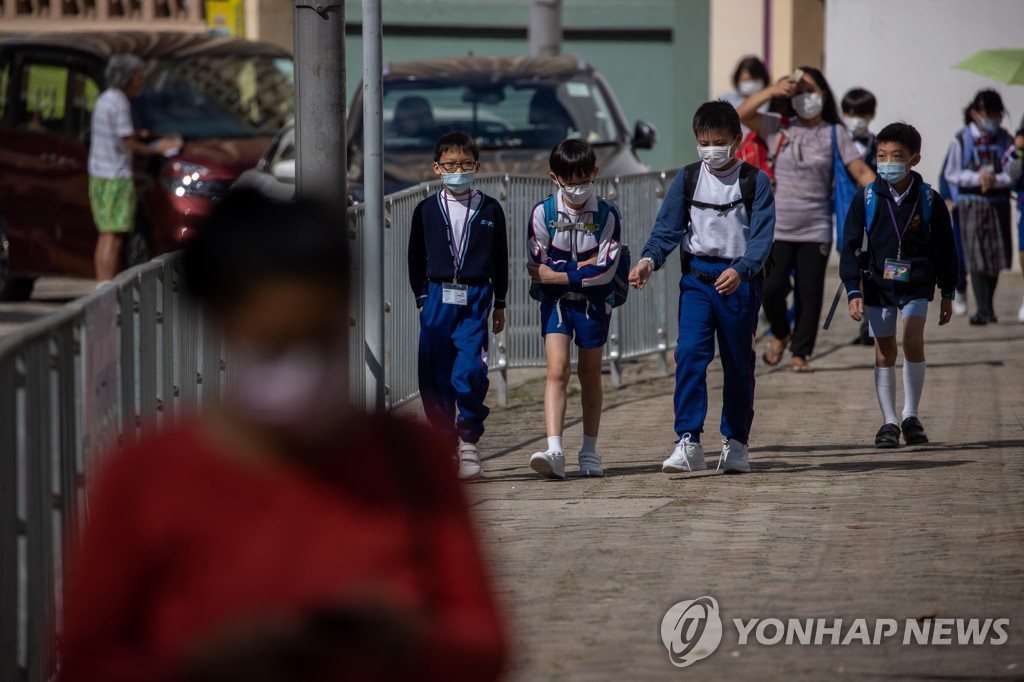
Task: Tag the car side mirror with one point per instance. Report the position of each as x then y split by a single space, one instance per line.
644 135
284 170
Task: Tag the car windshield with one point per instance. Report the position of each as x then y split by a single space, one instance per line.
501 114
218 96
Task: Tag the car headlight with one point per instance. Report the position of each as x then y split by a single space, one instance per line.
182 178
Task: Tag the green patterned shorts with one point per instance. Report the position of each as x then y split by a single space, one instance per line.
113 203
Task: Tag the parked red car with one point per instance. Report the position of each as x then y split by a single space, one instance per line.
225 97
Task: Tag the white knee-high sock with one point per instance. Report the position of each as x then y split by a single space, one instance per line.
913 385
885 387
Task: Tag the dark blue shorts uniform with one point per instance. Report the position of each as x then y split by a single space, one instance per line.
578 317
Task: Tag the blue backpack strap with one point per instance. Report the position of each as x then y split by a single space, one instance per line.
966 146
926 203
550 216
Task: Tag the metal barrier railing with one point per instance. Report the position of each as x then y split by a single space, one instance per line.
134 356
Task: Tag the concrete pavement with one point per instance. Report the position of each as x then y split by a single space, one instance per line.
824 527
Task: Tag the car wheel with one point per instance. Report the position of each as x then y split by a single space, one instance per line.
138 246
11 288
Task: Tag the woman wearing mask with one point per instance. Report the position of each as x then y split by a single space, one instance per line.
977 171
750 77
280 535
803 203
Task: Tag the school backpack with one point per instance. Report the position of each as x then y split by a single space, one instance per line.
871 202
754 150
844 188
620 282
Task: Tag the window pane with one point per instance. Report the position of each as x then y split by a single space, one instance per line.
219 96
43 93
84 91
500 115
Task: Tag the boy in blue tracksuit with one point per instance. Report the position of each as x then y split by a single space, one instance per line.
721 213
572 257
909 249
458 268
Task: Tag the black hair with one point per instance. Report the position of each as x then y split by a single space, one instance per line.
717 115
456 140
859 102
990 101
755 67
829 111
572 159
250 237
901 133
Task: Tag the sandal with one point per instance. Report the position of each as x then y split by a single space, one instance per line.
800 365
776 349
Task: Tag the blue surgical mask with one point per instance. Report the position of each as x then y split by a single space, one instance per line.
458 182
990 125
892 171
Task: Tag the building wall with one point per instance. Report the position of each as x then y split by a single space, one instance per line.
796 31
904 53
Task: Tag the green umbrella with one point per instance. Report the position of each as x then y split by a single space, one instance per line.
1005 65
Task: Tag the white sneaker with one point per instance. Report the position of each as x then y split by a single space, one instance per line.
960 307
688 456
550 463
590 464
1020 313
469 462
734 457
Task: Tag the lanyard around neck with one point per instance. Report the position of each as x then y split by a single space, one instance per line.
457 250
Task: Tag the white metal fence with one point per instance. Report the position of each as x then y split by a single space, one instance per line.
135 356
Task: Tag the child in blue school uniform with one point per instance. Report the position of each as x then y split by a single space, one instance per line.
572 257
894 271
720 211
458 270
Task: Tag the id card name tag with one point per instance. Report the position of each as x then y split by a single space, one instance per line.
896 270
454 294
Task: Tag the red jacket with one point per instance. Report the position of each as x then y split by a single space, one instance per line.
184 542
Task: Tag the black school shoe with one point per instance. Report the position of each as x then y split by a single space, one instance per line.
978 319
888 437
913 431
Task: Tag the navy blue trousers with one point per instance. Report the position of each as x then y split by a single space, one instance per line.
705 315
453 363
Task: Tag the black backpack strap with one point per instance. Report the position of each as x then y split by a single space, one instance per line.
748 187
690 174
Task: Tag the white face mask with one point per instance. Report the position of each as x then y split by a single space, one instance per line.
577 194
857 125
715 157
808 104
301 387
748 88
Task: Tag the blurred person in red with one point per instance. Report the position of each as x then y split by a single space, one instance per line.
279 535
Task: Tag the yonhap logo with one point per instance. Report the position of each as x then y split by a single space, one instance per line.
691 631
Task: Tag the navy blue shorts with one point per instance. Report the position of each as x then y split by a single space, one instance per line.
583 320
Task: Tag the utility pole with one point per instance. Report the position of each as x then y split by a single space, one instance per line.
545 28
373 196
320 156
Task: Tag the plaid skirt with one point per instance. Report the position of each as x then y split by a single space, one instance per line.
985 230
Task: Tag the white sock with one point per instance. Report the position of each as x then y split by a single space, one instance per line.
555 443
913 385
589 444
885 387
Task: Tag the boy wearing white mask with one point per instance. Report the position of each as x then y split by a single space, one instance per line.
458 269
721 213
572 258
859 107
909 249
